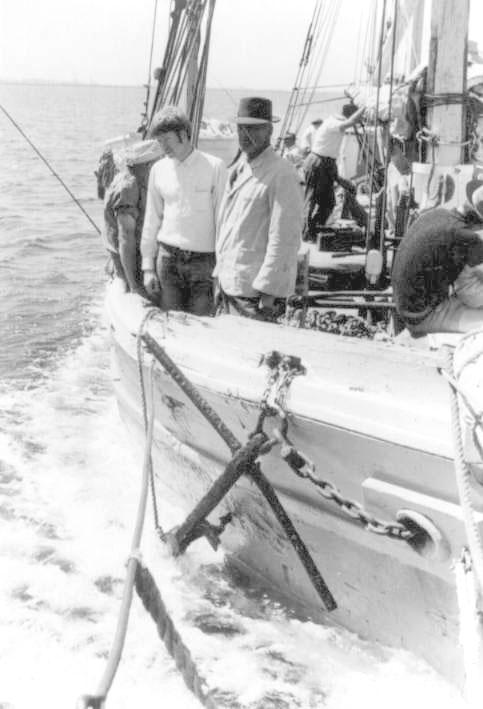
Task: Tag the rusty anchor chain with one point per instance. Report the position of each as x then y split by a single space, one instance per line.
282 370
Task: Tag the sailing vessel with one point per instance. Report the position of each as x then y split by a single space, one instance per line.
330 461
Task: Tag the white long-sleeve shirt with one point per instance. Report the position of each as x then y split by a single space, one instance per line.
182 204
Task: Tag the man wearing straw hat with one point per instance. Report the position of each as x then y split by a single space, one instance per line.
124 205
261 218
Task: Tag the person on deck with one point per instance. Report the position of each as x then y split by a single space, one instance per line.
124 205
437 276
293 154
398 185
261 221
178 240
320 168
105 173
308 136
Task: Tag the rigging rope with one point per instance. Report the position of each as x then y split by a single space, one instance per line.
311 65
181 55
150 66
200 87
319 60
287 119
54 173
189 52
388 135
175 14
374 140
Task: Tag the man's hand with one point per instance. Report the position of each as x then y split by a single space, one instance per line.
151 283
346 185
266 301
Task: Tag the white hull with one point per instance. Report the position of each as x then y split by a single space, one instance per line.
375 420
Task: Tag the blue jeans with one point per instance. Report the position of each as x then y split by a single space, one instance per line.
185 279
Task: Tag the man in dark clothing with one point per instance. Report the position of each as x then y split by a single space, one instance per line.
437 276
320 168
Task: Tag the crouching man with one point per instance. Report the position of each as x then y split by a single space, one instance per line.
260 223
178 240
437 276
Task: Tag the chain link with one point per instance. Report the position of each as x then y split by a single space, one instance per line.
350 507
282 370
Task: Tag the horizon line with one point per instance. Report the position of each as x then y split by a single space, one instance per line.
59 82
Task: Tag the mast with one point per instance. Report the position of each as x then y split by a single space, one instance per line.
447 79
182 76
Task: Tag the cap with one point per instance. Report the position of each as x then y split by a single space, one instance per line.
143 151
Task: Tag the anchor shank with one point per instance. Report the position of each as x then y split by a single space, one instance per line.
241 463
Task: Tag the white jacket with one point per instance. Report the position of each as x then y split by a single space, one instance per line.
260 227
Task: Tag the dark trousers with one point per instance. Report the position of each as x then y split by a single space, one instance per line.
186 279
320 175
248 307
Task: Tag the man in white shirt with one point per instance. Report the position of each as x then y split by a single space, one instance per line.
308 135
320 168
178 239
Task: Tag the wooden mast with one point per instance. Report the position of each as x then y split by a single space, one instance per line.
447 75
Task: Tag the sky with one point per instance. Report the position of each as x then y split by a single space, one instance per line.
256 43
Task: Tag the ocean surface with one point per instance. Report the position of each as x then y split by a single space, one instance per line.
69 480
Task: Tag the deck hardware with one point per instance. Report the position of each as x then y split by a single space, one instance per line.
427 540
211 532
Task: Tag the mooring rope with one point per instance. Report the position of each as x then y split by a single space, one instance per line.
149 594
470 635
97 700
152 312
463 478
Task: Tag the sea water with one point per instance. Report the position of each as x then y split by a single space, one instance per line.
69 480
